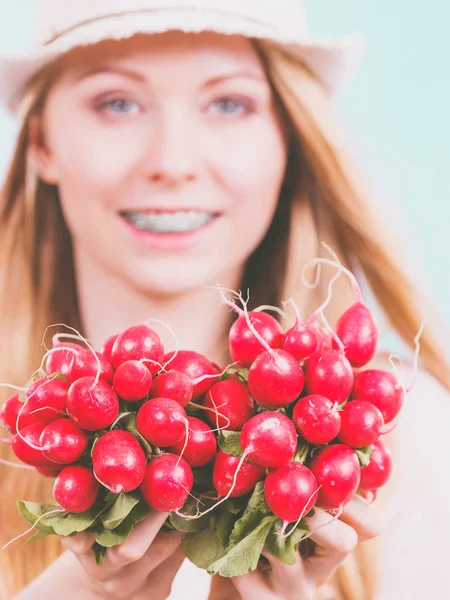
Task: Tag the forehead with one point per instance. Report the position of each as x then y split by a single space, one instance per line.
206 52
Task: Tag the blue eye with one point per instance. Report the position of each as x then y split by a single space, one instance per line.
120 106
229 106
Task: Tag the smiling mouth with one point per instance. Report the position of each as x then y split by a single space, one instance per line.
164 222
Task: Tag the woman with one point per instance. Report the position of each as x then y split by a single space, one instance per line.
149 167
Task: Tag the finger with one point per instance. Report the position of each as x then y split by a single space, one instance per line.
254 585
133 576
223 588
366 519
139 540
79 543
288 579
334 540
161 580
133 548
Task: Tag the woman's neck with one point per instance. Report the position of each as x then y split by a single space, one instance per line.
198 318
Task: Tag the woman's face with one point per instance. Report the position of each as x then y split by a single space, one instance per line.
169 154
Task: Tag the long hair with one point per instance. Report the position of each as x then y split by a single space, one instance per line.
320 200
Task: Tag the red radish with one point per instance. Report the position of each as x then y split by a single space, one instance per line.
301 341
62 359
269 439
58 343
10 411
225 467
63 442
379 469
382 389
132 381
338 473
230 403
174 385
108 346
328 373
361 424
290 491
162 422
118 461
244 345
92 407
29 454
50 471
316 419
167 482
86 364
194 365
325 339
275 379
358 331
201 447
75 489
136 343
46 401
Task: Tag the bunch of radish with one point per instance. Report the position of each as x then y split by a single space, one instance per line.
238 457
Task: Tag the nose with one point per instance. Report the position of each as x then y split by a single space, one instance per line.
173 158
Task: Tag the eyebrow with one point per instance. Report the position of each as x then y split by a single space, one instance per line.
114 71
139 77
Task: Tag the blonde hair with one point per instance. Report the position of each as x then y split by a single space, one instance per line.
320 200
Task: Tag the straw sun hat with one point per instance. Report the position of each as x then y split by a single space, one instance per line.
63 25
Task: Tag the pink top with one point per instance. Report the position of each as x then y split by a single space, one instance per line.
414 561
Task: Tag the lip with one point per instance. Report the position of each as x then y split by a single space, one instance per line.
170 210
168 241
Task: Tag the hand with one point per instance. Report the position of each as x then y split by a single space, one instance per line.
334 541
146 560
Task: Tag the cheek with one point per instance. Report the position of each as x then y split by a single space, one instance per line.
92 161
252 168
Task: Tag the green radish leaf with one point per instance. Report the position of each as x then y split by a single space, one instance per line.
254 513
99 553
243 557
126 419
189 525
302 452
113 537
241 373
203 548
128 422
236 505
40 535
33 513
224 526
121 508
57 375
262 409
364 455
191 507
229 442
167 526
148 449
62 523
285 549
203 476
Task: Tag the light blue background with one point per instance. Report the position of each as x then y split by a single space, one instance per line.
397 107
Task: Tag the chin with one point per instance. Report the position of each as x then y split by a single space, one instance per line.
173 280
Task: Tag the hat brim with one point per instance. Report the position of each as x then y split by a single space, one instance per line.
333 61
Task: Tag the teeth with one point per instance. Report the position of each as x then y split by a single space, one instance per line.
165 222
